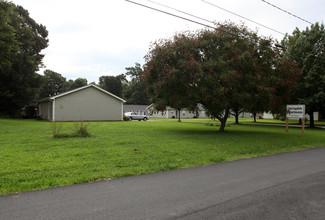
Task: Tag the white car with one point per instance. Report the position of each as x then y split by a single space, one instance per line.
136 116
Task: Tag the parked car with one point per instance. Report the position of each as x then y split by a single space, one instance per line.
136 116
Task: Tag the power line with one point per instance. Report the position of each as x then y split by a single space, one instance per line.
166 6
199 23
164 12
286 12
242 17
177 16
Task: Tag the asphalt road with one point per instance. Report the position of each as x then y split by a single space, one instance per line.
284 186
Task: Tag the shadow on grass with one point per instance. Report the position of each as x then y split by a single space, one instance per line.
230 130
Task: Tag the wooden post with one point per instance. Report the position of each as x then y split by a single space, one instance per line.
287 122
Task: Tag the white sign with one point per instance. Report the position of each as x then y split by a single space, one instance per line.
295 111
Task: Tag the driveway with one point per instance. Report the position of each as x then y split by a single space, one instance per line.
284 186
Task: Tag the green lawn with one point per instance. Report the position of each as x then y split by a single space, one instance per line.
244 120
30 158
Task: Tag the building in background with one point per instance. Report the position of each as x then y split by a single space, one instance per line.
87 103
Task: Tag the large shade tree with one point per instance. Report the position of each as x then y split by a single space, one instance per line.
230 66
170 73
307 48
272 80
21 41
226 69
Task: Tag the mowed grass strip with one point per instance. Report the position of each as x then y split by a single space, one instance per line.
31 159
244 121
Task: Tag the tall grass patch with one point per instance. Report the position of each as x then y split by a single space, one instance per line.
77 129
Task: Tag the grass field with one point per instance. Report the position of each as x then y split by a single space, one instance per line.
246 120
31 159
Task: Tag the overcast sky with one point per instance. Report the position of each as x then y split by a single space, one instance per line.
89 39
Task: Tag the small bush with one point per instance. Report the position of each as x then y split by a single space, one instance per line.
79 129
211 124
126 118
281 117
56 129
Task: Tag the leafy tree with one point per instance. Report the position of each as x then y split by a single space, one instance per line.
134 90
255 73
307 48
213 68
135 72
170 73
54 84
79 82
275 79
21 41
230 69
67 84
8 42
226 69
286 77
113 84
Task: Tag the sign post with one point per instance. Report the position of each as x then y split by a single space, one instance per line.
296 111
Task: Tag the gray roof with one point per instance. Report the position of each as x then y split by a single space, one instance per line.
134 108
77 89
200 107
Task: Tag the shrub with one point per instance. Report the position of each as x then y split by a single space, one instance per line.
211 124
126 118
56 129
79 129
281 117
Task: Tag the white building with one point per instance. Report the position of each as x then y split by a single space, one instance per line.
173 113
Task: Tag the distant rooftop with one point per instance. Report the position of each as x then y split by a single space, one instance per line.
134 108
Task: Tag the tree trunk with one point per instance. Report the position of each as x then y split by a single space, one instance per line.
179 115
223 121
236 114
236 117
311 119
254 117
222 126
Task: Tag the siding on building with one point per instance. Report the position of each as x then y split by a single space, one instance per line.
88 103
44 108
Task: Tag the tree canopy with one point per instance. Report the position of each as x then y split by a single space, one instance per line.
307 49
21 41
55 83
172 72
134 90
113 84
225 69
77 83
